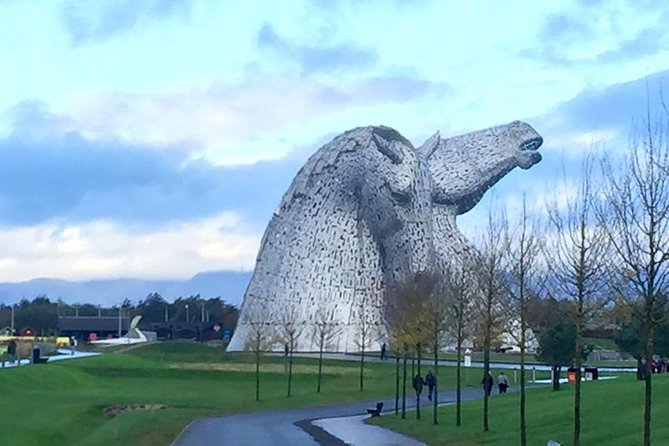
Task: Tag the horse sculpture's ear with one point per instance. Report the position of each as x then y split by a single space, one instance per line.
390 143
430 146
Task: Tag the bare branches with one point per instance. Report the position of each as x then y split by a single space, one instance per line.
577 250
325 330
635 215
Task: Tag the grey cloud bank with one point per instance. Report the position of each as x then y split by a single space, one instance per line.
90 21
315 59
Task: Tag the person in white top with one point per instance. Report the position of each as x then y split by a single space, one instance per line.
502 382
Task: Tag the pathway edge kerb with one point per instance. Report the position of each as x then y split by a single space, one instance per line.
322 436
178 437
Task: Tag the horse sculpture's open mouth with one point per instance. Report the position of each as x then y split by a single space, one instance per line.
532 144
528 155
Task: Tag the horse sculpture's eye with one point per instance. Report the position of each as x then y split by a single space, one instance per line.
401 197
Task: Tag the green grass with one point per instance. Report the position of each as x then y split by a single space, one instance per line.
63 403
602 343
612 415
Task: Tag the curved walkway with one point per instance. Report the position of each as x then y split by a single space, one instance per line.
293 427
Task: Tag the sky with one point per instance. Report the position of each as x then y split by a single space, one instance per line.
154 139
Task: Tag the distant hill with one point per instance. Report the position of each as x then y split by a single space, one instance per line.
229 285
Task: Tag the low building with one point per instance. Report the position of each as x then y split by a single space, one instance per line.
81 327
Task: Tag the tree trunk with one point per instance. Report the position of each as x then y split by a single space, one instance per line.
417 406
320 367
404 387
458 383
555 377
486 362
577 385
523 421
418 370
257 373
290 367
397 383
435 396
362 366
648 378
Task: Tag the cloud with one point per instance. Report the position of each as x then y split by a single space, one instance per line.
646 42
602 118
260 118
601 31
104 249
73 179
316 59
90 21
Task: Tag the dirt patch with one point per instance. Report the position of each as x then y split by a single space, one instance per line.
118 409
266 368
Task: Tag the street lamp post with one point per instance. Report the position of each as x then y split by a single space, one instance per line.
12 323
187 318
120 314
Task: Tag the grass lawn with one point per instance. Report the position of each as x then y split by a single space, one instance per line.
602 343
611 415
63 403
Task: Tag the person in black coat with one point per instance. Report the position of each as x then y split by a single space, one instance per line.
487 382
11 351
431 382
418 383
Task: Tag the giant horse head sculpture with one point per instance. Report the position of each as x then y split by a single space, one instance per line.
366 211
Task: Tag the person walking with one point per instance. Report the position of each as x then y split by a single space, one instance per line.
431 382
383 351
73 345
487 382
11 351
502 382
418 383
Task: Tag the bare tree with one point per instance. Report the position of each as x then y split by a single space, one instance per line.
488 298
437 329
457 288
635 217
325 331
364 338
524 244
394 321
290 333
262 339
578 260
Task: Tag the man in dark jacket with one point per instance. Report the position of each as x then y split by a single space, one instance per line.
11 351
418 384
431 382
487 382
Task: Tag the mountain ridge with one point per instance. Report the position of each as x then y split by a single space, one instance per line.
230 285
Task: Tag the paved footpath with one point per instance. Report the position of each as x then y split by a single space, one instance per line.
374 357
293 427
